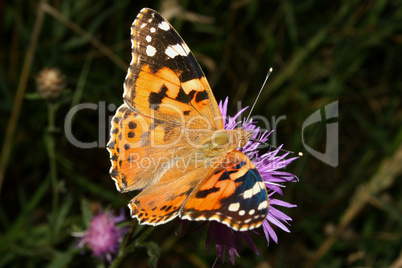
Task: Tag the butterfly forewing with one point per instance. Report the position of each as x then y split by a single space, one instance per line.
164 73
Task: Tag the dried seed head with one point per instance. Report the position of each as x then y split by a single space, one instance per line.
50 83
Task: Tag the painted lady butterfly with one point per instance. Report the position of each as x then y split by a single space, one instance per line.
168 139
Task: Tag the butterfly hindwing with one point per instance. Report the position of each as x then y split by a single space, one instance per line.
162 202
164 79
233 194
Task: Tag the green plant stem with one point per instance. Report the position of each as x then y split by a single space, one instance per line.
130 233
51 129
81 82
128 248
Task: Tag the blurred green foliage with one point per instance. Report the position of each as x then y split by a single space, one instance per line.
321 52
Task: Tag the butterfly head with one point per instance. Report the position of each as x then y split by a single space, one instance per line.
242 137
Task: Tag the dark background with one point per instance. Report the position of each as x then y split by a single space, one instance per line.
321 52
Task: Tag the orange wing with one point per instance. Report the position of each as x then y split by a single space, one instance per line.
136 149
164 76
167 99
163 201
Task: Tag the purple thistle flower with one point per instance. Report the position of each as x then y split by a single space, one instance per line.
103 237
267 164
227 239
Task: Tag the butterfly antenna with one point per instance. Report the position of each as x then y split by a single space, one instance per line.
259 93
287 151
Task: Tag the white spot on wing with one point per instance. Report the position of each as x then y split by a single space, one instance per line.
152 30
263 205
251 212
148 38
186 48
171 52
215 217
164 26
131 210
248 194
253 191
143 25
234 207
176 50
242 212
150 51
242 229
131 64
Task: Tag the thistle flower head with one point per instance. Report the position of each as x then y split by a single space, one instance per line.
103 237
268 165
50 83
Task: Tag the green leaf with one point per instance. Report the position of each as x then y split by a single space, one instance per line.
86 211
62 259
153 251
60 217
33 96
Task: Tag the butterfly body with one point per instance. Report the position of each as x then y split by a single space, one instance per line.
168 139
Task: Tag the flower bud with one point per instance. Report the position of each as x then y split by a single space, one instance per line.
50 83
